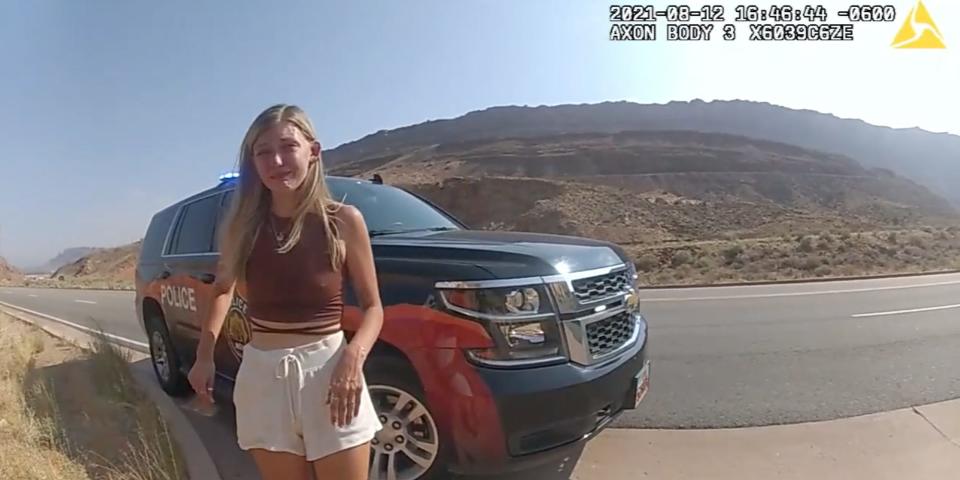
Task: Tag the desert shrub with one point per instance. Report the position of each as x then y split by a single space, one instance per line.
917 241
823 245
647 263
685 272
681 257
791 262
806 245
822 271
810 264
846 236
942 235
852 258
914 251
892 238
827 237
755 268
732 252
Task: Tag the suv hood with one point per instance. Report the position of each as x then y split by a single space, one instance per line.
509 254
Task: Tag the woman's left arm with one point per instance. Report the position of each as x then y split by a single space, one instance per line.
347 382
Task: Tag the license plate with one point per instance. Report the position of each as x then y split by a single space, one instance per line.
643 385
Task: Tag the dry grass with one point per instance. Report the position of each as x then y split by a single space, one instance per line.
796 257
71 414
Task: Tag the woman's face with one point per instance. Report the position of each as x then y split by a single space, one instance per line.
282 156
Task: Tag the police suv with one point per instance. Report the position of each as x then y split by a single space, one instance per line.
500 351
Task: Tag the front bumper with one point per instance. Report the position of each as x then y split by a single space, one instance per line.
548 412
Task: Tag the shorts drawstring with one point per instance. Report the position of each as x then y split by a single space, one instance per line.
293 395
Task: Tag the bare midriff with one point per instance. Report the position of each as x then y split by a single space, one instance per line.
277 338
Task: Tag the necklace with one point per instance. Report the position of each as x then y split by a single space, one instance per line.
277 235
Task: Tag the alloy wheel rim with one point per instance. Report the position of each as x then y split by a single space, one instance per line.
159 354
408 444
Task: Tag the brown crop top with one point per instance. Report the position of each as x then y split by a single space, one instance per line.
299 287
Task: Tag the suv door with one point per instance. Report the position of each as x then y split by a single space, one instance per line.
235 332
189 262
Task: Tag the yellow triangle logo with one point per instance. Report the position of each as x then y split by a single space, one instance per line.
918 30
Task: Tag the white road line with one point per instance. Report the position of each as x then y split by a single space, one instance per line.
796 294
912 310
116 338
86 301
34 295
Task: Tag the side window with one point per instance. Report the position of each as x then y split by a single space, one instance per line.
224 208
195 232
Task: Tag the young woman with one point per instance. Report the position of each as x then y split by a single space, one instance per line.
301 399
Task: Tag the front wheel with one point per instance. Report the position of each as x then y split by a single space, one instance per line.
166 364
409 447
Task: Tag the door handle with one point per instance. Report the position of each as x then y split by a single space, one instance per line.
205 277
164 275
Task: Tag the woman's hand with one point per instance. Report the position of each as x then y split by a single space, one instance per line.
346 386
201 378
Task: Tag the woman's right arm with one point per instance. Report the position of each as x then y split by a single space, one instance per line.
203 371
212 322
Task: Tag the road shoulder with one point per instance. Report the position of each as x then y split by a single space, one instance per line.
199 463
890 445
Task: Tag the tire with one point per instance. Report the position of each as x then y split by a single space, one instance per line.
391 380
166 364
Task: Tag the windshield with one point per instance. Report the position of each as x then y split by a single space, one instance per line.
388 209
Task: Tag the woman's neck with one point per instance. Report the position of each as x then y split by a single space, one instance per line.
283 206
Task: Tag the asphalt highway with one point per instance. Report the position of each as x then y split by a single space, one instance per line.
735 356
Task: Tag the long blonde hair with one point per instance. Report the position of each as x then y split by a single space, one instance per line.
251 200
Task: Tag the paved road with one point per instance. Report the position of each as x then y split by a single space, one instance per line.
739 356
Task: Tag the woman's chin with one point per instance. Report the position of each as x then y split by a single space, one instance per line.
283 186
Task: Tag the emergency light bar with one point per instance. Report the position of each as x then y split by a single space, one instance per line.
229 176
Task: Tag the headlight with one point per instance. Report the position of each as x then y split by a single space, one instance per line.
520 321
496 302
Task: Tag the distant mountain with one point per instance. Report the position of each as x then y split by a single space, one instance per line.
655 186
931 159
65 257
110 264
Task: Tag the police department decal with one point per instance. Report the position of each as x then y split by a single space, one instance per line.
236 328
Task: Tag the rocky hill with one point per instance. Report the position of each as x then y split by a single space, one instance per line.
642 187
9 273
925 157
687 204
109 266
65 257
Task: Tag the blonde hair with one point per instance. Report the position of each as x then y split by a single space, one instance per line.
251 200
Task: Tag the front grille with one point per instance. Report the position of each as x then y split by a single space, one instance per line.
609 334
603 286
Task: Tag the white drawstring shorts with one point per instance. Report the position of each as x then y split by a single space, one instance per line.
280 398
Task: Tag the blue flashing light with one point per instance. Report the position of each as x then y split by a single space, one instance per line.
229 176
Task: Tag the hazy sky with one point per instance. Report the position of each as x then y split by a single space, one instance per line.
114 109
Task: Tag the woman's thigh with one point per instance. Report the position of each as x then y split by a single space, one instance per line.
350 464
281 465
